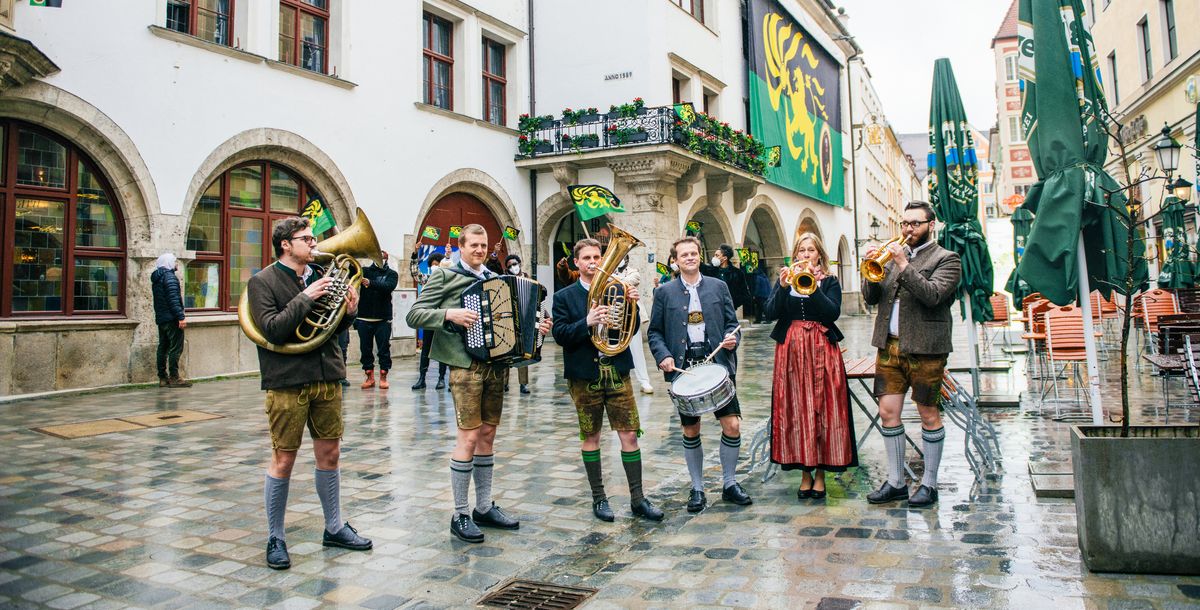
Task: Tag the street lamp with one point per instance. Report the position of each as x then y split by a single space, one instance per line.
1166 150
875 226
1181 189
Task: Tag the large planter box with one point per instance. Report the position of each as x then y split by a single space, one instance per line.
1137 499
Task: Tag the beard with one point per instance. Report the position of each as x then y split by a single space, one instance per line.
915 241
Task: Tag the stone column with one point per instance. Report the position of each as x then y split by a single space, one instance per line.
648 186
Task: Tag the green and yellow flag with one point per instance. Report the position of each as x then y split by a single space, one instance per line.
686 113
53 4
511 232
455 232
753 265
774 156
693 227
664 272
744 255
795 99
592 200
432 232
318 216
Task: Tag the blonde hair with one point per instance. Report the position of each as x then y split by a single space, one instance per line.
822 258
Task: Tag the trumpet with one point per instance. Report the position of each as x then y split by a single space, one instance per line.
872 269
801 278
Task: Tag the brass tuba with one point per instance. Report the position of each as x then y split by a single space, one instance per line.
613 336
872 268
340 252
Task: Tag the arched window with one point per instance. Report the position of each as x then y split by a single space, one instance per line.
231 228
64 238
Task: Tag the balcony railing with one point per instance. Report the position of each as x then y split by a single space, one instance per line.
631 127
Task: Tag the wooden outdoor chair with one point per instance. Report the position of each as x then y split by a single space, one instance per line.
999 324
1065 345
1035 337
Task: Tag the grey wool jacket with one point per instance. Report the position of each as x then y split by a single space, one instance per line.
926 289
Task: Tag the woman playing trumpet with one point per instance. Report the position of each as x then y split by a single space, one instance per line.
811 426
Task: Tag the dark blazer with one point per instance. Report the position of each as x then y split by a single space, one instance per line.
168 304
581 359
278 305
667 333
926 289
824 305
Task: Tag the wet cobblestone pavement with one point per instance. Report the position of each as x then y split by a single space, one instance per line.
172 516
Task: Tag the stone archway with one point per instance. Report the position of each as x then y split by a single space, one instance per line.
845 262
483 187
808 223
278 146
763 230
716 228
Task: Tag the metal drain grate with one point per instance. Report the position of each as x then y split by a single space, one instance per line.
534 595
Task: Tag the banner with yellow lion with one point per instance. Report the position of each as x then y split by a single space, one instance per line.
795 103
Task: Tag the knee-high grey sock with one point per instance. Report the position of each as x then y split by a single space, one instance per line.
693 454
893 441
632 460
932 442
329 491
730 447
483 482
275 493
591 465
460 484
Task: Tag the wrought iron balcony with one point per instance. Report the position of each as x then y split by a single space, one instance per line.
635 126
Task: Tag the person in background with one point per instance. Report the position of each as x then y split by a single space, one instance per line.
762 292
512 266
436 260
722 268
169 316
374 323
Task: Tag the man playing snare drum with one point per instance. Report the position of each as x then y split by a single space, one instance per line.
599 384
693 316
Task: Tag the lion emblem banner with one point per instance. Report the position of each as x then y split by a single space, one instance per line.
795 103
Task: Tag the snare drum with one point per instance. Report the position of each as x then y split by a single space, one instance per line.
702 389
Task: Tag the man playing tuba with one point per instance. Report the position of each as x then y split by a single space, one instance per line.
303 389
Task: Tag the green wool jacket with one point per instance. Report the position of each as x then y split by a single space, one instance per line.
442 291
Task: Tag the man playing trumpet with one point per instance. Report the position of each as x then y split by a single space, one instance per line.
913 336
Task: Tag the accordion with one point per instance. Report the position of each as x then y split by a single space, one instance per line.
510 309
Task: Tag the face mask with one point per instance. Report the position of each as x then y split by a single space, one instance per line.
716 261
514 269
674 267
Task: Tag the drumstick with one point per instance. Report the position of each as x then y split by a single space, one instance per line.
714 353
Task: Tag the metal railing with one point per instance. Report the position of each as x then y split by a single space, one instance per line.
582 132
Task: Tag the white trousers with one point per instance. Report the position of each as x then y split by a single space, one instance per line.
639 359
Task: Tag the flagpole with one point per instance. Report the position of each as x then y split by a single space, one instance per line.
1089 338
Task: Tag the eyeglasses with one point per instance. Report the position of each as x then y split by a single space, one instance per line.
912 224
308 239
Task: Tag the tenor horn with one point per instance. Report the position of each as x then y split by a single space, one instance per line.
801 278
341 253
613 335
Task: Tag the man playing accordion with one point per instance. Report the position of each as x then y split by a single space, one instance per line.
477 386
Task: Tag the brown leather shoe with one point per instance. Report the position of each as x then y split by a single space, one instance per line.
383 384
176 382
370 381
162 382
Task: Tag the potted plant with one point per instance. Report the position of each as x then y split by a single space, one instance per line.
1136 485
529 146
583 140
626 135
582 116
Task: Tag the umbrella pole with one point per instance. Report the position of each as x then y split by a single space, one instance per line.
972 341
1089 338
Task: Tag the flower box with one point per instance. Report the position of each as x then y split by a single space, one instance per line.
542 148
591 117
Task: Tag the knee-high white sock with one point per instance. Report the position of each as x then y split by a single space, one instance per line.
730 447
275 494
693 454
460 484
483 482
329 491
893 440
932 442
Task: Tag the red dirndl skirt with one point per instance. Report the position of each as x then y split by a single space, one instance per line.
811 424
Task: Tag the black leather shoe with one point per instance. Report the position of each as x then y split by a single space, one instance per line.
441 384
802 493
696 501
464 529
346 538
644 509
524 389
345 382
420 384
496 518
817 494
734 493
886 493
602 510
277 555
923 496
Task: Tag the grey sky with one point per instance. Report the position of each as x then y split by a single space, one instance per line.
902 38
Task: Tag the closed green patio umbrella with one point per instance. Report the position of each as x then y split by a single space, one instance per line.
1081 224
954 190
1022 222
1176 270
